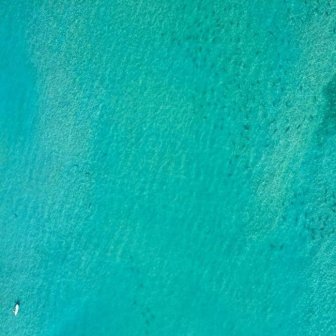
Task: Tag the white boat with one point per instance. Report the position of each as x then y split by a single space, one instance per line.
16 308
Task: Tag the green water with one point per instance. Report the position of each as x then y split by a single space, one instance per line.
168 167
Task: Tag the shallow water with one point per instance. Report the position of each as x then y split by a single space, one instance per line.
168 167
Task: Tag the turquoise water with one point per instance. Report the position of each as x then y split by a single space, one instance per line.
168 167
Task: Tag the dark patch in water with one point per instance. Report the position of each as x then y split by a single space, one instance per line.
277 246
329 121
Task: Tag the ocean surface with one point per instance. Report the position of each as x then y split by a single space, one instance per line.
168 168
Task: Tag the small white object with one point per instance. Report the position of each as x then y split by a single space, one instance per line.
16 309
